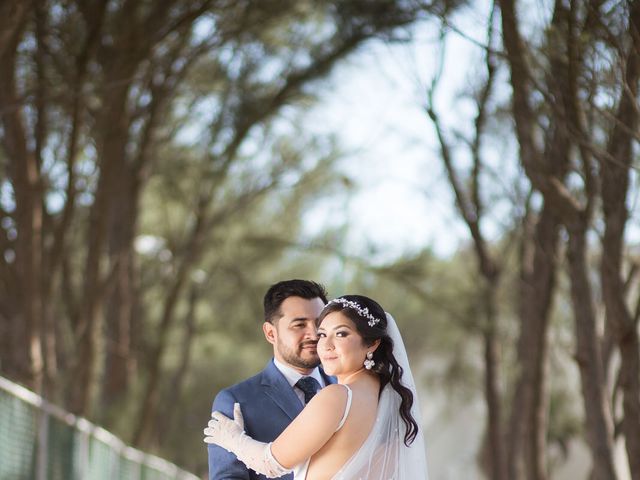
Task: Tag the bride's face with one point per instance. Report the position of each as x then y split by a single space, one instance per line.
340 346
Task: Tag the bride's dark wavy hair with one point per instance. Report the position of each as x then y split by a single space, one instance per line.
386 365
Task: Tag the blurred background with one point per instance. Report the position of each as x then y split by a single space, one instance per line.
471 165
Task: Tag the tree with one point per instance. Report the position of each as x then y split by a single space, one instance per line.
92 97
573 104
471 209
577 30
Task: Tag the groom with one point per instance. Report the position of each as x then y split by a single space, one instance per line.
274 397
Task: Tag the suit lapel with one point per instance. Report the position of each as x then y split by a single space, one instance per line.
278 389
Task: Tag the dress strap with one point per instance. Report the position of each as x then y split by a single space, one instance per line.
347 408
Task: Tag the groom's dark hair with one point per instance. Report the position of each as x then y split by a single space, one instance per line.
279 292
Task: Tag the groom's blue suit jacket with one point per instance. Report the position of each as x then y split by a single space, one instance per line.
268 405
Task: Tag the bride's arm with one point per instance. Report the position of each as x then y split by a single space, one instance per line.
302 438
312 428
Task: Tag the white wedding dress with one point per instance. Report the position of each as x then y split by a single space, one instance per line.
300 472
384 455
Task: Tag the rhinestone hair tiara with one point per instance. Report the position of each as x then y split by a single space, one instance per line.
362 311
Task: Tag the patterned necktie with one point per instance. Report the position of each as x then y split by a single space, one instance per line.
309 386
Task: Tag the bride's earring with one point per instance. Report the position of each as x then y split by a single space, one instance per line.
369 363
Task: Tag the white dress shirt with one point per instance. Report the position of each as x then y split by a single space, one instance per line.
292 376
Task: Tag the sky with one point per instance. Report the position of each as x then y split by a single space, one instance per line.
375 101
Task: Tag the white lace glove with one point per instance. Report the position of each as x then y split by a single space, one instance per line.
229 434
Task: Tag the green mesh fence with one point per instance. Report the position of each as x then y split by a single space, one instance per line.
18 429
39 441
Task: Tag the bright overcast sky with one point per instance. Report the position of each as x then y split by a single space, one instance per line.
374 102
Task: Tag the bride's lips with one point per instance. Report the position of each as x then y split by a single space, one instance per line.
328 359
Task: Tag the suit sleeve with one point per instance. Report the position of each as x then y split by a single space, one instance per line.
224 465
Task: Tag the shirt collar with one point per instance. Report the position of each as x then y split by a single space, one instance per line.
292 375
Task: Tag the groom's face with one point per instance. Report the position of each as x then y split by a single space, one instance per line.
293 335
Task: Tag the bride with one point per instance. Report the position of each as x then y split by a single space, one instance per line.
363 427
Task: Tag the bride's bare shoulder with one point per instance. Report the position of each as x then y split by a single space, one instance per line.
329 395
325 409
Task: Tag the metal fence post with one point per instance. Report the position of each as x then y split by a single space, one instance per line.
42 457
82 466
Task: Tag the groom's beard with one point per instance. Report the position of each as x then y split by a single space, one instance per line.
300 357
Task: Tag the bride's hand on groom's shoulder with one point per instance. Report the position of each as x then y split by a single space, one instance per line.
222 430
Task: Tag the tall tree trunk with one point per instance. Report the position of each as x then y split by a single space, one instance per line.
528 420
24 172
113 129
599 424
12 21
576 218
45 279
120 62
614 175
543 278
119 305
58 249
491 382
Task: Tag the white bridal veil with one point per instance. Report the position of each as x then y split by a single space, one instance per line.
384 455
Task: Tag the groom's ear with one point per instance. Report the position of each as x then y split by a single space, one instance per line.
270 332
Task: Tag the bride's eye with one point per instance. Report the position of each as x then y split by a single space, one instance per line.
342 334
321 334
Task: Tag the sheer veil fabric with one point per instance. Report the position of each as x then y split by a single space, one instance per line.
384 456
